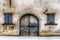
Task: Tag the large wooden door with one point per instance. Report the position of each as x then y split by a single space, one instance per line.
29 26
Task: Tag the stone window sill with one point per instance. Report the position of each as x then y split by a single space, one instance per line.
50 24
8 24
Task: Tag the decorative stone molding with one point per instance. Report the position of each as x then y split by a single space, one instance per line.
6 10
48 12
8 26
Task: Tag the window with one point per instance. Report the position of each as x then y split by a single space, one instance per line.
8 18
50 18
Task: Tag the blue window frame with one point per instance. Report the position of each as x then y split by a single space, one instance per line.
50 18
8 18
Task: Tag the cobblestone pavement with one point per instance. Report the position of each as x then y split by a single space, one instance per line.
27 38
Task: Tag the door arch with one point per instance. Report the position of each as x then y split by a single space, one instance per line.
29 25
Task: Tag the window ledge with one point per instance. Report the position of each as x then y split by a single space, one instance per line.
50 24
50 13
8 24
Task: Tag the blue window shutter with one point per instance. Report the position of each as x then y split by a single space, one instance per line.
6 18
51 18
48 19
10 18
54 18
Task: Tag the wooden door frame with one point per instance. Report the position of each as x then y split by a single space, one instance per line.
20 23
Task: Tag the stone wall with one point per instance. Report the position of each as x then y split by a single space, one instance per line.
36 7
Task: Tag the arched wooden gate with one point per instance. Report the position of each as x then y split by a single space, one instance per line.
29 25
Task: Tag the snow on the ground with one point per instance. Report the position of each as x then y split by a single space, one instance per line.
27 38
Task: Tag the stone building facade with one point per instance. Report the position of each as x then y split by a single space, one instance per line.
30 17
